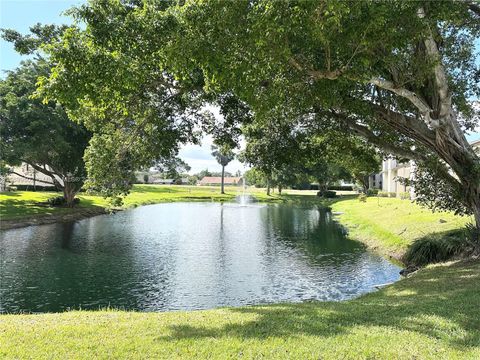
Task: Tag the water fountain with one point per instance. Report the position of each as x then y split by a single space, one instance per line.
244 198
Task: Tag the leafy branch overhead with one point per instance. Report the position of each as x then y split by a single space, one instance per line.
400 75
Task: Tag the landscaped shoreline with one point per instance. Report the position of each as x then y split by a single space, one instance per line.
433 313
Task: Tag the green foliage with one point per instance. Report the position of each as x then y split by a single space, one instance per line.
395 73
390 194
172 167
223 154
40 134
60 201
437 248
362 198
372 192
405 195
436 192
255 177
327 194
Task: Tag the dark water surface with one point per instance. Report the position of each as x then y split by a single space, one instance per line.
185 256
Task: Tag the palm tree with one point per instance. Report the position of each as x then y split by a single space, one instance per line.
224 155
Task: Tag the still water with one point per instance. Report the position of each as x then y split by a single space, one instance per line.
185 256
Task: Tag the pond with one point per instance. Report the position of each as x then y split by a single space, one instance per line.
186 256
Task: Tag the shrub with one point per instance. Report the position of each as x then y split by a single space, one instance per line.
390 194
33 188
60 200
341 188
362 198
437 248
405 195
327 194
372 192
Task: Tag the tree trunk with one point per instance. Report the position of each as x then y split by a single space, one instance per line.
280 189
223 180
69 192
268 187
476 209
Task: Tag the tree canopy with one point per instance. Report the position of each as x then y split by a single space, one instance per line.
399 74
40 134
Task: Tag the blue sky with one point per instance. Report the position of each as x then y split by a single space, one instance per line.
21 14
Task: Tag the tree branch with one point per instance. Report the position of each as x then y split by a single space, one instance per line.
30 178
416 100
316 74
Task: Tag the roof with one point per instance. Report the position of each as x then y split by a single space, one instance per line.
218 180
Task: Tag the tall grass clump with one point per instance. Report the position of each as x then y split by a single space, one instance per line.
442 247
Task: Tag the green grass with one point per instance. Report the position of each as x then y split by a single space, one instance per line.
391 225
19 204
23 204
431 315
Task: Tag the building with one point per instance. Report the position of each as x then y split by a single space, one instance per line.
26 175
217 180
393 171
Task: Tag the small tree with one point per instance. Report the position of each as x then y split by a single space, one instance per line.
223 154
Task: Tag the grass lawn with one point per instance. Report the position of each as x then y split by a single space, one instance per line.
391 225
433 314
18 204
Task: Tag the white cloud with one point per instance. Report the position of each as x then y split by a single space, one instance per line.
199 158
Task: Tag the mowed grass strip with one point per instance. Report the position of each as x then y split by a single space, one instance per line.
431 315
390 225
18 204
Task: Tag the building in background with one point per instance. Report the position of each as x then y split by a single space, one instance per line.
393 171
217 180
27 177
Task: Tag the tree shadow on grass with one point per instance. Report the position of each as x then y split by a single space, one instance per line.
446 295
14 207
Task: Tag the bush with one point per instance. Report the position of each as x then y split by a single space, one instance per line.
32 188
372 192
341 188
327 194
60 201
405 195
390 194
362 198
437 248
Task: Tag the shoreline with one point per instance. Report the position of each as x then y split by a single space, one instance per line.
77 214
81 213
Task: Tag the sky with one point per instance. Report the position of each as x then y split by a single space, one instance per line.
21 14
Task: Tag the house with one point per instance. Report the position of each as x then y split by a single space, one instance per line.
217 180
26 175
393 170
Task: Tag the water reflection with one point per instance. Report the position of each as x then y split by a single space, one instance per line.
185 256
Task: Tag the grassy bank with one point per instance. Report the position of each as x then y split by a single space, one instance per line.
431 315
392 225
20 204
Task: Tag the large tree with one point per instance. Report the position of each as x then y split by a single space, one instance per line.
400 74
40 134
